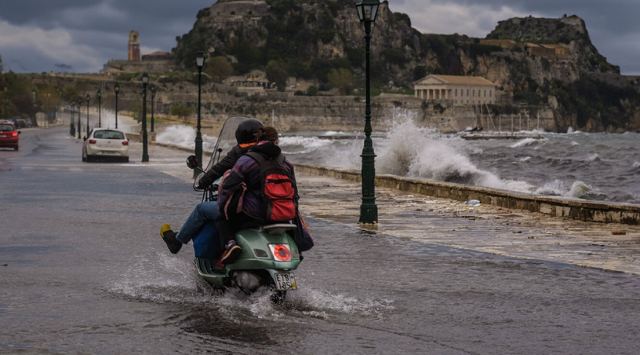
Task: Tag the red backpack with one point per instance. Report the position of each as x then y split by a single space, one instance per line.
277 189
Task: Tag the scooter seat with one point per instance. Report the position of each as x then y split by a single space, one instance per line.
278 228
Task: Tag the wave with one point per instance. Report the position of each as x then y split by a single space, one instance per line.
302 145
578 189
418 152
184 136
524 142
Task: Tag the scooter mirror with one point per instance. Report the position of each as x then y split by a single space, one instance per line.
192 162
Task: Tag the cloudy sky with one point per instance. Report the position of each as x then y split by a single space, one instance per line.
81 35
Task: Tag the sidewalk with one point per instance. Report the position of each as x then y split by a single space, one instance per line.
484 228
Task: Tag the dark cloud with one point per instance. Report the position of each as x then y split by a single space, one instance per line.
98 29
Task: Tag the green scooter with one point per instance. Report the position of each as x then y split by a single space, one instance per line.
269 253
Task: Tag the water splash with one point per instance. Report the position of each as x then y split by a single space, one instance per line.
184 136
524 142
421 152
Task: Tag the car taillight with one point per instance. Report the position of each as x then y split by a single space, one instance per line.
280 252
125 142
92 141
14 134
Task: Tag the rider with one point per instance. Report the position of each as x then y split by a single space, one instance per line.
244 181
206 211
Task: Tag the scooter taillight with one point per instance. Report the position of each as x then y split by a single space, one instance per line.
280 252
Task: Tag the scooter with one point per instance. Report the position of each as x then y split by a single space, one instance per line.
269 253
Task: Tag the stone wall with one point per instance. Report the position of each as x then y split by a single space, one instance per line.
605 212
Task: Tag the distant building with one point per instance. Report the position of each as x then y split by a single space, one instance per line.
134 47
255 82
155 62
456 89
156 56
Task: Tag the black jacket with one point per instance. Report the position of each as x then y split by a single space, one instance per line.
223 165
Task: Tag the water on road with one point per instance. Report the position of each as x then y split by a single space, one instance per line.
83 270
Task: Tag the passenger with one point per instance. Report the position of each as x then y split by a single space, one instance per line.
242 200
208 211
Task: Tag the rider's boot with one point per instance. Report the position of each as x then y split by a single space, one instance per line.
231 252
169 237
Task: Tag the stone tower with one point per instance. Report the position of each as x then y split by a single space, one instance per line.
134 46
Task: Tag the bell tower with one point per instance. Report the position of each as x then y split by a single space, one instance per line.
134 46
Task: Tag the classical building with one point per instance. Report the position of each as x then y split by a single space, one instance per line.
456 89
134 47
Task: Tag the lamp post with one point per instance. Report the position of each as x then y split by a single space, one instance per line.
153 102
367 13
116 89
145 152
35 107
72 126
99 96
88 98
198 148
78 105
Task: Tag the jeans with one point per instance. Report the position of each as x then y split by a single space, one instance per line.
205 212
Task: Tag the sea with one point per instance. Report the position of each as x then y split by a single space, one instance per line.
590 166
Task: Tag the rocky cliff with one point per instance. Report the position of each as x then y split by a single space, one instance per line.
548 63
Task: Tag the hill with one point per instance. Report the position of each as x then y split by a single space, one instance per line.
534 61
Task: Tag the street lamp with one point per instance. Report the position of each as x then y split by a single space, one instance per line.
72 126
153 101
78 105
35 106
367 13
99 96
145 83
116 89
200 64
88 98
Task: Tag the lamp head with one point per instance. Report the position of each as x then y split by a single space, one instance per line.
200 60
116 88
367 10
145 78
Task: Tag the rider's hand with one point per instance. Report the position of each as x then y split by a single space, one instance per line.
201 183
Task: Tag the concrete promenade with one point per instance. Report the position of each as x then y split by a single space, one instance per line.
483 228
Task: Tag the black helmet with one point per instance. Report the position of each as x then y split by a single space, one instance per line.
246 131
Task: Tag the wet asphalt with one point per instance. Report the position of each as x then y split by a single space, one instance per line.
83 270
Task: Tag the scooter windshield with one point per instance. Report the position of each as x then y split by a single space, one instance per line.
226 139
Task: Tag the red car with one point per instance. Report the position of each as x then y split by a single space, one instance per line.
9 137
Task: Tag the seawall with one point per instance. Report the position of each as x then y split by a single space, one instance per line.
605 212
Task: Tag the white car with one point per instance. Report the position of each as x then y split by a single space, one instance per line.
105 143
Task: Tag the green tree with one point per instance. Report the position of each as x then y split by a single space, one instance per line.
219 68
341 79
277 73
181 110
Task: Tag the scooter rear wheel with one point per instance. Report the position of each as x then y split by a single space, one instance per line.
278 297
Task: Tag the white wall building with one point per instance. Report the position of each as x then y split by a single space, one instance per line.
456 89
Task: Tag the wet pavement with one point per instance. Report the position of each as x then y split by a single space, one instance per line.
83 270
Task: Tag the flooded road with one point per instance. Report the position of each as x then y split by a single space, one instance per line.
83 270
